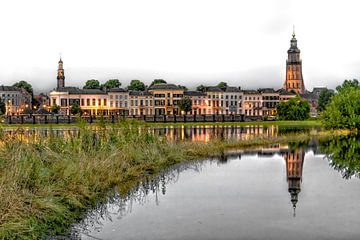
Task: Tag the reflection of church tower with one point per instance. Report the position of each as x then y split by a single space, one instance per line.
294 78
294 166
60 75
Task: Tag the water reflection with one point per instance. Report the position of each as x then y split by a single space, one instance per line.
342 155
174 133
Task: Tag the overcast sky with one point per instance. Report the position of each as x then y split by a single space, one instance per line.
188 42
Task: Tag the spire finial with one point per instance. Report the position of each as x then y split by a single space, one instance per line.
293 31
60 56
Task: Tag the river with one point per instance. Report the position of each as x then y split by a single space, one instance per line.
303 191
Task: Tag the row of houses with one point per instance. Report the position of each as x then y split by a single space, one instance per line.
16 100
162 99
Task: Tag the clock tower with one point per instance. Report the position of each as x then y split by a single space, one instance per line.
60 75
294 78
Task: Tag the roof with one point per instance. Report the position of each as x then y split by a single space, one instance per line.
161 86
194 93
212 89
282 91
267 90
140 93
75 90
116 90
9 88
250 92
232 89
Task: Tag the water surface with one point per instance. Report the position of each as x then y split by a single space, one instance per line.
279 192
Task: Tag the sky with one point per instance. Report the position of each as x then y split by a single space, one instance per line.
187 42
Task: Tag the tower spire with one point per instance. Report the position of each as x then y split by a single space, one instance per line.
60 74
293 34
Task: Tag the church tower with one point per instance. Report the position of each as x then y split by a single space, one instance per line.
294 78
60 75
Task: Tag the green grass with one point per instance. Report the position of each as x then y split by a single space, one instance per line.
46 183
306 123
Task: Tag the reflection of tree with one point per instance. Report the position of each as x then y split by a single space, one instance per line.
343 154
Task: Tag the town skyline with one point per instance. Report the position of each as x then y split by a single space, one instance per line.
201 42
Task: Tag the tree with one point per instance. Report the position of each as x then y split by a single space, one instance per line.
25 85
294 109
158 81
136 85
324 99
75 108
55 109
111 83
2 107
183 87
92 84
348 84
343 111
222 85
185 104
200 88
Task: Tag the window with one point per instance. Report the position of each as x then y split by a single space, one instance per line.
88 102
82 102
99 102
105 102
93 101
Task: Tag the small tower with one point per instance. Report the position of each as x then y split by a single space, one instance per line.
294 78
60 75
294 166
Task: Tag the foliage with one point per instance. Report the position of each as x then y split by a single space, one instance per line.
2 107
111 83
92 84
348 84
200 88
136 85
75 108
324 99
294 109
25 85
185 104
343 154
344 109
158 81
183 87
222 85
55 109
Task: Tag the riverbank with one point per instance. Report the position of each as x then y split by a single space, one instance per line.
47 183
305 123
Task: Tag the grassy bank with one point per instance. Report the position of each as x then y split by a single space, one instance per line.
306 123
47 183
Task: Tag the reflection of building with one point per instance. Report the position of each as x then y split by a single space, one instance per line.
294 166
